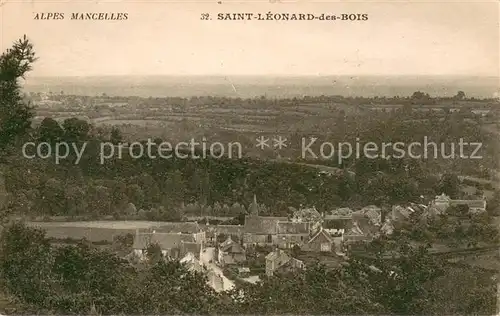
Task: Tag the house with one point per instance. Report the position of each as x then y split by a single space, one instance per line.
443 202
173 245
355 234
230 252
194 248
343 211
293 264
432 211
321 241
475 206
337 224
183 228
369 222
270 230
292 233
481 112
214 232
400 213
260 230
279 260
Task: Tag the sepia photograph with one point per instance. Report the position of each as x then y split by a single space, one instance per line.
249 157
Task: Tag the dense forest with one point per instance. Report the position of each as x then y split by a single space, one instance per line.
44 188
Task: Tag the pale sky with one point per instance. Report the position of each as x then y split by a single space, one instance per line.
168 38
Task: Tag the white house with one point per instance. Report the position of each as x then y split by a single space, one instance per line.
443 202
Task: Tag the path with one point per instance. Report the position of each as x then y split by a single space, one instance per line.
208 260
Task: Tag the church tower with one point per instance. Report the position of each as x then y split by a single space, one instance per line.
253 209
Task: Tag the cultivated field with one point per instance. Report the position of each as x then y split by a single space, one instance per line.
101 224
94 231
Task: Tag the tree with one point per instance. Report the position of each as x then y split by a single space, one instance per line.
130 210
50 131
460 95
461 210
20 203
397 274
53 197
462 290
25 263
75 204
173 289
120 199
153 253
493 206
88 276
135 195
176 187
99 200
116 136
281 208
450 185
418 95
124 241
148 184
15 114
75 130
4 199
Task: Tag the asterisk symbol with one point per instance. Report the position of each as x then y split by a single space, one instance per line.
262 142
280 142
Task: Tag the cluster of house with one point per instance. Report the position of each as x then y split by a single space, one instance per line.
439 205
307 229
175 240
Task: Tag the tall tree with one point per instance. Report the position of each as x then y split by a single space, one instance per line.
450 184
15 114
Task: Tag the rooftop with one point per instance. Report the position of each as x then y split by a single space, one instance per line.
277 254
262 224
293 227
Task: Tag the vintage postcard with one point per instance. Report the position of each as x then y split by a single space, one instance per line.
249 157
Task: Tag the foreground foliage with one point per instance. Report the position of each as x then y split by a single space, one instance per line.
78 279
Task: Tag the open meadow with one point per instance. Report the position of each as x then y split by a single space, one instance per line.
94 231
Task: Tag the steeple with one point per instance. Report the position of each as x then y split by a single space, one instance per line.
254 207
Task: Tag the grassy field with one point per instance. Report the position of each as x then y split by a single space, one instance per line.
94 231
100 224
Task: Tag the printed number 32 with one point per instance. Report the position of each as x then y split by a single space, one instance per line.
205 16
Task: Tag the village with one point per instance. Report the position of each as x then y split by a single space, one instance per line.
264 245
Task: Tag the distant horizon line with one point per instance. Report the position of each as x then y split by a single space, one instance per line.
270 75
